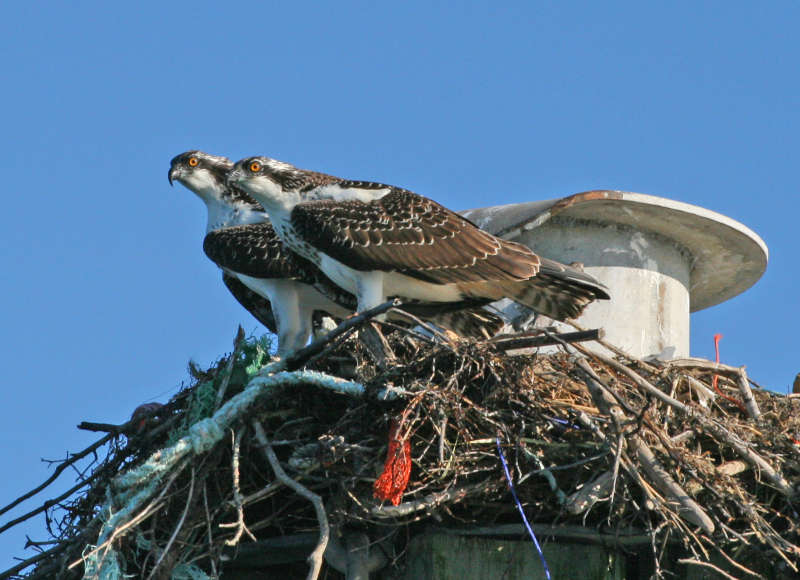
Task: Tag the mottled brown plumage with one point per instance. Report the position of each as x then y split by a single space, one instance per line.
256 250
407 233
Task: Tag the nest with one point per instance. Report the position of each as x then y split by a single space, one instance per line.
616 445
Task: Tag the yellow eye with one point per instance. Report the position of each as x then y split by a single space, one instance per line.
255 167
193 162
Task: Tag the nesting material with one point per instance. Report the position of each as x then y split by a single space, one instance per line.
604 443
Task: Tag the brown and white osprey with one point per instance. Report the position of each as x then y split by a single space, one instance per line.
279 288
259 272
380 241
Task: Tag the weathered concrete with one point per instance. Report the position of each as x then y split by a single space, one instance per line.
660 259
452 557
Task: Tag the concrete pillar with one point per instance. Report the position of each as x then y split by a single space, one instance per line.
661 259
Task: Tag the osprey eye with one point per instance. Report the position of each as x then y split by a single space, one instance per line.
193 162
255 167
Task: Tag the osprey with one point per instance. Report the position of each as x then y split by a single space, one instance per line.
380 241
269 282
281 289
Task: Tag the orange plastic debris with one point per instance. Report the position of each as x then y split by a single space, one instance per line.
393 481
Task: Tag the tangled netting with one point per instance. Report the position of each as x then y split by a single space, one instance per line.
251 452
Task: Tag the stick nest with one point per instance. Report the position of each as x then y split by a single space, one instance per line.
587 439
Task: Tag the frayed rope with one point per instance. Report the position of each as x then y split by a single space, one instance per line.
131 489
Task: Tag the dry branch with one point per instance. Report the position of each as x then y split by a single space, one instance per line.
317 556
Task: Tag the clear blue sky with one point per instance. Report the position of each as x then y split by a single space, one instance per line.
105 291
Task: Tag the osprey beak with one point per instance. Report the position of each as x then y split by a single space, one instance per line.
173 173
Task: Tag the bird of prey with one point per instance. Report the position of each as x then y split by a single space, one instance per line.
380 241
274 286
281 289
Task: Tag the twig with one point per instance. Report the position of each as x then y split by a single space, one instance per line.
706 365
110 428
694 562
177 529
432 500
639 380
316 557
51 502
149 510
618 351
226 377
34 559
430 328
237 498
687 507
210 532
517 342
709 424
302 356
747 395
67 462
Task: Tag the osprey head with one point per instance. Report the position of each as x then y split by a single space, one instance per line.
273 183
200 172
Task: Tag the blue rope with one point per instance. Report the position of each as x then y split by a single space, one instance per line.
522 511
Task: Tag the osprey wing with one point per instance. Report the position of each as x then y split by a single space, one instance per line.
255 250
408 233
256 305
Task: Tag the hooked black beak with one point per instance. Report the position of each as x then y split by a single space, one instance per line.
171 175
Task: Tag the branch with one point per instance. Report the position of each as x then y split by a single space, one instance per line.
693 562
687 508
302 356
237 497
33 560
317 556
431 500
747 395
522 341
50 502
74 458
178 527
718 430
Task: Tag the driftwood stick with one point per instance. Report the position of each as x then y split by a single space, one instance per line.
302 356
744 450
432 500
747 395
618 351
703 392
592 492
703 364
377 346
316 557
753 458
685 506
522 341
